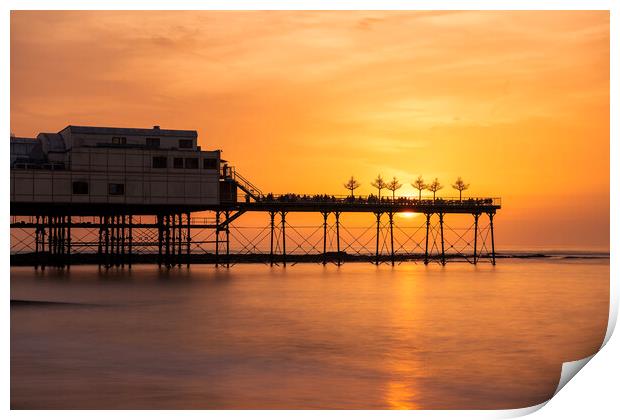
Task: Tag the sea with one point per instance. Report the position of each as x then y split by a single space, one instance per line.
305 336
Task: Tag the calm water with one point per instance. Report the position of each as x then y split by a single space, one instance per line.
306 336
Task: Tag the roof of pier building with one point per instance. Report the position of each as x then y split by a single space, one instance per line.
24 149
120 131
156 137
75 136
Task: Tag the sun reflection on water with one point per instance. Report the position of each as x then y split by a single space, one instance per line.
401 389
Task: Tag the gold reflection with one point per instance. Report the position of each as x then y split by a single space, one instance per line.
401 391
398 396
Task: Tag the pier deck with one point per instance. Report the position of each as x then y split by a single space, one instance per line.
115 224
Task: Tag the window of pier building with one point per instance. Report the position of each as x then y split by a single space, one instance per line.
160 162
80 187
209 163
119 140
153 143
186 143
177 163
116 189
191 163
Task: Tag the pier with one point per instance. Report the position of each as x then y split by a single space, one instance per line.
116 197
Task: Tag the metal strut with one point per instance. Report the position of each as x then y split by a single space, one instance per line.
428 225
123 229
227 214
492 238
283 213
338 261
377 237
391 217
325 215
189 239
36 244
160 238
68 258
443 252
217 238
130 245
168 241
272 215
476 217
180 244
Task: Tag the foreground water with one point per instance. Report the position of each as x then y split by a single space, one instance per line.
308 336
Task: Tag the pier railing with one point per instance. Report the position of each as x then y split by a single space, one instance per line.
404 201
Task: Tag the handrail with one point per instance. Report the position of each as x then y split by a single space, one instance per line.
247 184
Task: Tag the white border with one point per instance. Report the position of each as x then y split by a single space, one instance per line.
312 5
593 394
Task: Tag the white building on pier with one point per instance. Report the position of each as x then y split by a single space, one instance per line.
82 166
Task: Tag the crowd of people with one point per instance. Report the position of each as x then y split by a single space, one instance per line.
370 199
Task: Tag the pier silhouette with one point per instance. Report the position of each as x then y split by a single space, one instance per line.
109 183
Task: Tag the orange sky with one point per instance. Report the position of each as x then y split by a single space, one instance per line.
515 102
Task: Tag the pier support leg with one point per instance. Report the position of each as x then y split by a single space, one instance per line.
56 241
60 231
377 238
130 244
272 215
110 240
100 242
160 239
119 240
106 223
123 238
173 240
59 241
227 240
43 242
492 238
36 243
428 225
338 260
217 238
443 252
180 244
476 217
391 217
114 241
325 214
283 214
50 240
177 244
189 238
112 246
68 242
167 258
